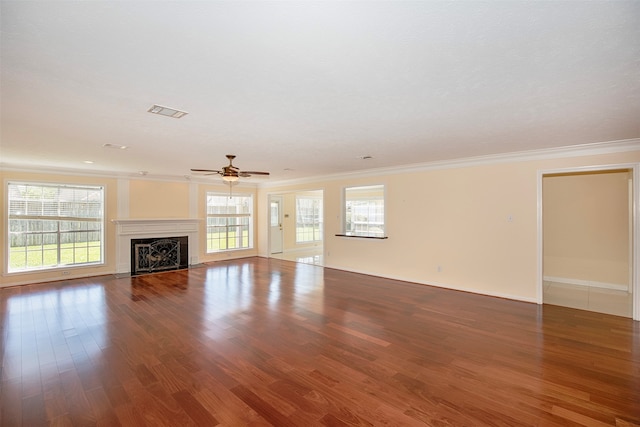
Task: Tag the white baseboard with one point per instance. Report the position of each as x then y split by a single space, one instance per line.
318 248
589 283
56 279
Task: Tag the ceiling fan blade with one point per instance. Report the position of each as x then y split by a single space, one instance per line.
253 173
205 170
230 170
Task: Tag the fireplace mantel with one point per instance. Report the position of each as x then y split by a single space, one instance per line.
136 228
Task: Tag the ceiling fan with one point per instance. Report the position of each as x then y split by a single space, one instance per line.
230 173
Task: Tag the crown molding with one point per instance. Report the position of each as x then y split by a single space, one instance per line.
85 172
519 156
118 175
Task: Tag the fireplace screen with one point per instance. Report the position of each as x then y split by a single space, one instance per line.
151 255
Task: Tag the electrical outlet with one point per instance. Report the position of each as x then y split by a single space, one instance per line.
439 268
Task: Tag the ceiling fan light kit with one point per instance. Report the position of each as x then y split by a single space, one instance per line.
230 178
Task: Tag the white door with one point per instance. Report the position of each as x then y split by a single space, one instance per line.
275 218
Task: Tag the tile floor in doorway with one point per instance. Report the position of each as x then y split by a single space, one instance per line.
601 300
310 256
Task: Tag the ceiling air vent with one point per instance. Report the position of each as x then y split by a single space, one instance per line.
166 111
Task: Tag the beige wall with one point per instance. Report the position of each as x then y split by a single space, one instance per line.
158 199
586 227
456 218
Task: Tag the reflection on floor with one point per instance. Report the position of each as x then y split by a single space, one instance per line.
601 300
309 256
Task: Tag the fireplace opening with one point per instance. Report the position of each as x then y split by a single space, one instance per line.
159 254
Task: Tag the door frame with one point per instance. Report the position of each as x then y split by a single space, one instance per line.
634 233
280 198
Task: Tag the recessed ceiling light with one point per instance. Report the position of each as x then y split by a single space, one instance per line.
89 162
367 157
115 146
167 111
143 173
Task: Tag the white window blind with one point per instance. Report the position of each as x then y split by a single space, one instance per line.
54 226
229 222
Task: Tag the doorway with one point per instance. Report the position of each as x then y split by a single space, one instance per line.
296 231
587 238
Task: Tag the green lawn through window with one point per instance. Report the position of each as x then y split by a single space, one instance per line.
217 241
33 257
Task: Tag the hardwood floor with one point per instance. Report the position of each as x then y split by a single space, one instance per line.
269 342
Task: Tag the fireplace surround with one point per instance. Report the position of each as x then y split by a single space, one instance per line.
157 229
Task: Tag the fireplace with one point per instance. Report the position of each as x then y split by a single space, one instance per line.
128 230
159 254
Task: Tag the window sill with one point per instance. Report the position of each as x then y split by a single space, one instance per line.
226 251
54 269
362 237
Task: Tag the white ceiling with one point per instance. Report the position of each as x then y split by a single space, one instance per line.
310 86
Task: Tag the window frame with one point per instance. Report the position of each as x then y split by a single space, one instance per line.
62 228
345 212
250 223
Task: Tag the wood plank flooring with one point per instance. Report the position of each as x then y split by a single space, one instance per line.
264 342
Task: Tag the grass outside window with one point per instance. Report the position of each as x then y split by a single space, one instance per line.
24 258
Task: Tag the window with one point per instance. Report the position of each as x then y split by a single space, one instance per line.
308 219
229 222
364 211
54 226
